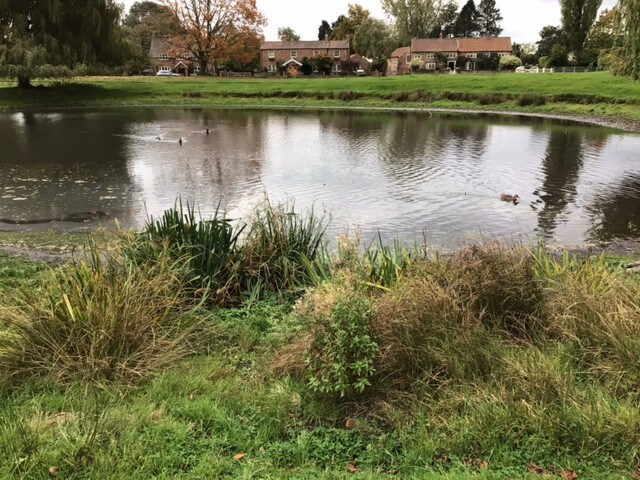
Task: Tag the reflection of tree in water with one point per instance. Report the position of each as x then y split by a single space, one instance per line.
561 167
563 161
62 163
616 211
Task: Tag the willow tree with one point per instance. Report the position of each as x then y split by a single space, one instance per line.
630 24
578 16
38 36
216 29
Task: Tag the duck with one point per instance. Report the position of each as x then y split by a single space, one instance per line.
180 141
506 197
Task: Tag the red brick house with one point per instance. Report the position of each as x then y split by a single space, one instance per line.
168 57
286 57
462 53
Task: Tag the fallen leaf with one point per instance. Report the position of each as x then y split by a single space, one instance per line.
351 424
239 456
536 469
568 474
53 472
192 396
352 468
483 464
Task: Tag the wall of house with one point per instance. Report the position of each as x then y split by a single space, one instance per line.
281 56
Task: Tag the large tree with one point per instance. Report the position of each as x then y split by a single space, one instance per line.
467 24
38 34
550 36
415 18
346 25
630 23
324 31
489 18
578 17
216 30
288 34
374 39
147 20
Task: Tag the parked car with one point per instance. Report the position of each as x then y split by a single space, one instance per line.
166 73
521 70
148 71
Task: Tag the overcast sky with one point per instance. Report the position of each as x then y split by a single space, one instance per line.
523 19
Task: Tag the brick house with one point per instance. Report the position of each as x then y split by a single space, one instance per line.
168 57
288 56
462 53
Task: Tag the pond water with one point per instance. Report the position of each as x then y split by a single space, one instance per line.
407 175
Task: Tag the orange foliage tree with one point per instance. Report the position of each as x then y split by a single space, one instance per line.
215 30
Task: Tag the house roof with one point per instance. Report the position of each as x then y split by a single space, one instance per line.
401 52
434 45
292 60
306 44
485 44
161 46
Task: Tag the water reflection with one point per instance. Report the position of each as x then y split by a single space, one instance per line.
393 174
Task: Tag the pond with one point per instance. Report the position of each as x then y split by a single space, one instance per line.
410 175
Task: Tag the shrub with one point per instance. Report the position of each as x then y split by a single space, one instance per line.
102 319
510 62
529 100
341 355
278 245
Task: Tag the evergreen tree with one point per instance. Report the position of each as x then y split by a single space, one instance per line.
578 16
467 24
489 18
324 31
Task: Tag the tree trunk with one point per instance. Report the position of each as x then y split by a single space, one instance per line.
24 82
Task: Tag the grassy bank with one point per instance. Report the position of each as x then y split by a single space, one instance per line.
204 350
586 95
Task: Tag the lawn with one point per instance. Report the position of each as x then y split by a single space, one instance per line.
587 95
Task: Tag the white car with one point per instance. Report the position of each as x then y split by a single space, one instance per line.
166 73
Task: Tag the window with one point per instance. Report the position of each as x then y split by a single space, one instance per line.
417 56
164 56
486 55
196 70
271 68
452 55
430 66
336 54
271 54
408 59
316 53
430 56
316 69
472 55
336 67
503 54
294 54
165 69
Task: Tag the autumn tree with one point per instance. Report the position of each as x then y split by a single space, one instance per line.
49 37
415 18
578 16
603 36
215 30
489 18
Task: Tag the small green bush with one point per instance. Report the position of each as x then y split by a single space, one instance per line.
531 100
342 353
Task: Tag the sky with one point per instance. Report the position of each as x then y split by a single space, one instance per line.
523 19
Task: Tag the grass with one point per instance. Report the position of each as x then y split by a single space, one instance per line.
493 362
589 95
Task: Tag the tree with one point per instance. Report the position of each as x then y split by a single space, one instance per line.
578 17
148 19
38 34
550 36
624 58
415 18
489 18
603 36
324 31
446 19
373 39
288 34
346 25
467 24
527 52
216 29
510 62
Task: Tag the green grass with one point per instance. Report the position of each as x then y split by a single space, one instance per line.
489 363
588 95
